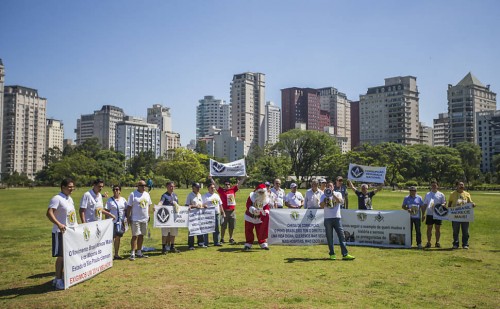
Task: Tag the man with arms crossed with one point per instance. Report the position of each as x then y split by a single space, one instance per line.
138 216
168 234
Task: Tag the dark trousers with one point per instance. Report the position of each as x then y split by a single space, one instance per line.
416 222
217 231
202 239
465 232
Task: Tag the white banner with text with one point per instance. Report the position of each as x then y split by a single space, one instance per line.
363 173
461 213
88 250
302 227
165 216
235 168
201 221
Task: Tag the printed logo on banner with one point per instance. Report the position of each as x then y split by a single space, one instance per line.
163 215
310 216
218 167
86 233
97 232
295 215
441 210
357 171
72 217
361 216
379 217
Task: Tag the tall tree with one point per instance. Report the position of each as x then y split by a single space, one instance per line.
183 167
471 160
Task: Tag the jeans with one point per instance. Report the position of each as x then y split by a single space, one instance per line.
416 222
200 238
216 233
465 232
334 223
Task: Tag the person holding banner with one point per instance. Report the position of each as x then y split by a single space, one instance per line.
228 197
313 196
117 206
432 198
138 214
257 217
364 197
331 201
168 234
294 199
91 204
272 197
279 192
61 212
194 200
458 198
212 200
415 206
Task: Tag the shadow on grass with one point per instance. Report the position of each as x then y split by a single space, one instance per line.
27 290
37 276
293 260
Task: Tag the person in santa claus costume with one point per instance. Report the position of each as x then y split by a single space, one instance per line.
257 217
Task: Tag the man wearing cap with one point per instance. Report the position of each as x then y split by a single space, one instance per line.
331 201
313 195
364 197
340 187
257 217
433 198
228 197
457 198
279 192
415 206
294 199
138 215
195 200
168 234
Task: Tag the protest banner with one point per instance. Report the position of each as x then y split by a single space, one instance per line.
165 216
364 173
231 169
461 213
201 221
88 250
374 228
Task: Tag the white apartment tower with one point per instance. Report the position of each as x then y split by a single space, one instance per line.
23 131
161 116
2 83
389 113
273 123
100 124
248 108
135 135
488 138
339 107
441 130
466 99
426 135
210 113
54 134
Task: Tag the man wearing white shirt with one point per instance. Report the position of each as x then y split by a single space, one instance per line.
434 197
294 199
138 213
313 195
279 193
195 200
213 200
91 205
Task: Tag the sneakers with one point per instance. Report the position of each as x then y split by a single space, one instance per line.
200 244
117 257
438 245
54 281
191 248
419 246
132 257
174 250
348 257
203 246
333 257
428 245
455 246
59 284
222 240
246 248
265 248
142 256
466 247
218 244
231 241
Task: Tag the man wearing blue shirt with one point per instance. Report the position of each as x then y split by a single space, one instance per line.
414 204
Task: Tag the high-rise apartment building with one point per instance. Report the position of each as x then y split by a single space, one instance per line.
426 135
161 116
2 83
248 108
300 105
23 131
465 99
488 138
273 123
441 130
389 113
339 108
354 124
135 135
54 134
221 144
100 124
210 113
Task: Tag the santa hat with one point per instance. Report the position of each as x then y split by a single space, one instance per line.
260 187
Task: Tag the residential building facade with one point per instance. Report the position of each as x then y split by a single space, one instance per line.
54 134
2 83
441 130
300 105
339 108
488 138
135 135
100 124
212 112
273 123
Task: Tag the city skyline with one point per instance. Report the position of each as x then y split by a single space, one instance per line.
81 56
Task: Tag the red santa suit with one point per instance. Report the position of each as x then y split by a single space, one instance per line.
257 217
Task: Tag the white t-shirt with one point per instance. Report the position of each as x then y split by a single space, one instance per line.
64 211
312 198
92 203
212 201
294 199
334 210
280 196
140 203
194 199
114 205
432 199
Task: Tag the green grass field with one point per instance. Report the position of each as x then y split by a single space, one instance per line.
226 277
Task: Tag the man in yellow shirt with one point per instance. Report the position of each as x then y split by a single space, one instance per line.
457 198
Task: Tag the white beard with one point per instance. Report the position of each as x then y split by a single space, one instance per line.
260 200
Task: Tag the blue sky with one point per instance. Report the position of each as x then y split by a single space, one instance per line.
81 55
